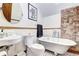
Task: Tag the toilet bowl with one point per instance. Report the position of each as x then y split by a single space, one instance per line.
33 48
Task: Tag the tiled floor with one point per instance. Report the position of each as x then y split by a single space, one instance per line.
48 53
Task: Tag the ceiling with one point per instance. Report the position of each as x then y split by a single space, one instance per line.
48 9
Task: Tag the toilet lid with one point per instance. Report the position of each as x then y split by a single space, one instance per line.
37 46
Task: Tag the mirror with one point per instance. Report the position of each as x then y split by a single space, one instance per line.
12 12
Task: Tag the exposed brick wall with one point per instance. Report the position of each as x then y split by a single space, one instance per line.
69 18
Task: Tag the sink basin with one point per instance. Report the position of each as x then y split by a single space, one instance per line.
10 40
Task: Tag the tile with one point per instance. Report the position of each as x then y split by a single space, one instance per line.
48 53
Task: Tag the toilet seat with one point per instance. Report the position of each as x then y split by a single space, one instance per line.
35 50
36 46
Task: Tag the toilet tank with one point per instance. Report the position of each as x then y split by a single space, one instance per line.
31 39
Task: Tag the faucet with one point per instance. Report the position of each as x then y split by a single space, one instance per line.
1 30
56 34
1 33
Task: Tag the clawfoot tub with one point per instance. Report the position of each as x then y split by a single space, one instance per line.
57 45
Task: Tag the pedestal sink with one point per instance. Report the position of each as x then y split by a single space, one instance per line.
10 40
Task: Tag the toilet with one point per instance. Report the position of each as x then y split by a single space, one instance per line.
33 48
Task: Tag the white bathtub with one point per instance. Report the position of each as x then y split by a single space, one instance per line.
57 45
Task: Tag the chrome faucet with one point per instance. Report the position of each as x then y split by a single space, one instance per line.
1 33
56 34
1 30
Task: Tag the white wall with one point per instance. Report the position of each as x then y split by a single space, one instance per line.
40 18
53 21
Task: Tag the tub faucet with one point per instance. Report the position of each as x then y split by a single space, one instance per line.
56 34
